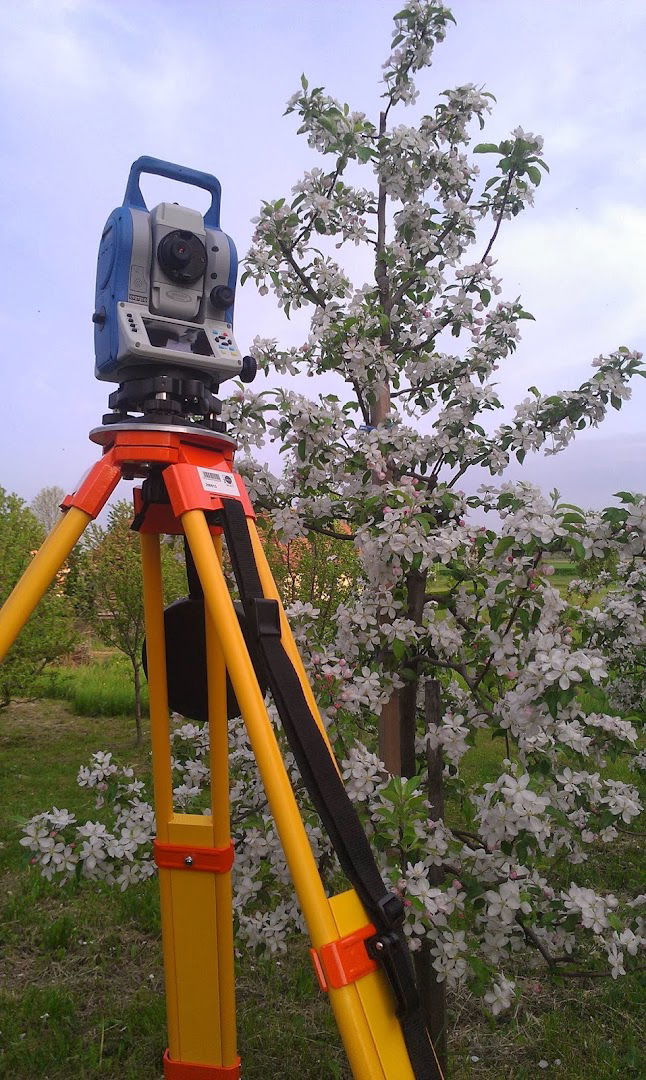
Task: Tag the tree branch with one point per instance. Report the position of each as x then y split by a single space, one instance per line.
514 612
329 532
315 297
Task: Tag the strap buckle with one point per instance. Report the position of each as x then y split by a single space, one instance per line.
392 910
263 617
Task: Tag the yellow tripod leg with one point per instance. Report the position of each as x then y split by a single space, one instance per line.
347 909
189 910
367 1061
39 575
220 810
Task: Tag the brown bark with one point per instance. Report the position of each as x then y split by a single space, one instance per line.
389 735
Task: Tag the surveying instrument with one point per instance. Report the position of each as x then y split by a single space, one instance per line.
163 320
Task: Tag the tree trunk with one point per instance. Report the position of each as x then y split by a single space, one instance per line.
397 722
390 735
433 993
416 583
137 676
390 747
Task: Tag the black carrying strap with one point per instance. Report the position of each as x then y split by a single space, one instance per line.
325 787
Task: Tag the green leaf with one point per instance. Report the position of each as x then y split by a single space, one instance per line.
503 545
486 148
481 975
534 174
485 296
329 125
364 154
577 547
304 82
398 649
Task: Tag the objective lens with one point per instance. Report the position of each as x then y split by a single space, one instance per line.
182 256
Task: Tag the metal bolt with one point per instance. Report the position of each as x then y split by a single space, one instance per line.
379 946
137 344
188 860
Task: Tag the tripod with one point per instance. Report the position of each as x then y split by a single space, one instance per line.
358 947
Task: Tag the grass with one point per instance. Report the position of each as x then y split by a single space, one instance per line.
81 970
99 688
564 571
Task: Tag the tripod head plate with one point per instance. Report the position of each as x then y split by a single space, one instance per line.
105 433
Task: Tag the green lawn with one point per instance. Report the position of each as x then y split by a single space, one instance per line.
81 974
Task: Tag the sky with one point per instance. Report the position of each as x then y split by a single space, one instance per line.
87 86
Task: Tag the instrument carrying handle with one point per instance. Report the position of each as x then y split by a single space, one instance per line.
135 199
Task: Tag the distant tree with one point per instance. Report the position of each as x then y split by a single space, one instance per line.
46 506
110 588
319 570
49 632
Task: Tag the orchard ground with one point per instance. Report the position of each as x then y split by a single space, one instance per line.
81 973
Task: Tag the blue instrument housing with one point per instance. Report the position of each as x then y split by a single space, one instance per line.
129 276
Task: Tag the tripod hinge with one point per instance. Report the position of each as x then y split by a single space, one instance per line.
342 962
190 857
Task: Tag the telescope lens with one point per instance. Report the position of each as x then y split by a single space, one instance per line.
179 255
182 256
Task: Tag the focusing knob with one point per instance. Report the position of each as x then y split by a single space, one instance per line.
222 296
249 369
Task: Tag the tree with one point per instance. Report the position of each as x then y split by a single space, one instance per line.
49 633
111 587
46 506
456 629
